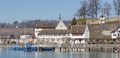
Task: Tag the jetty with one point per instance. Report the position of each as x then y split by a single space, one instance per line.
80 47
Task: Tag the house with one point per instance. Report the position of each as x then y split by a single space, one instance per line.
43 26
55 36
26 35
13 34
52 32
115 33
80 33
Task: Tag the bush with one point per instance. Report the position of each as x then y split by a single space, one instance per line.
13 42
81 21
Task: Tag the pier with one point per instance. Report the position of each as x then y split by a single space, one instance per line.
82 47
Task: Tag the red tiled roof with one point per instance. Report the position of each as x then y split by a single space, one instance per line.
16 31
46 25
78 29
54 32
115 30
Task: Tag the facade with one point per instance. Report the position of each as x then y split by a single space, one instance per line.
52 33
26 35
58 33
43 26
8 35
46 33
61 26
80 31
115 33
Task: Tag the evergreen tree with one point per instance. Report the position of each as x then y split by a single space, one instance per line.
69 27
73 21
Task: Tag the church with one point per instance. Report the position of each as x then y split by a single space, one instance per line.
58 33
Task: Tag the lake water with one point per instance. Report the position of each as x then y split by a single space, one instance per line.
21 54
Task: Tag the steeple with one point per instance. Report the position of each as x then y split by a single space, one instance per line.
102 14
59 16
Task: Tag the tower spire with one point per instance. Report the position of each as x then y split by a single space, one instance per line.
59 16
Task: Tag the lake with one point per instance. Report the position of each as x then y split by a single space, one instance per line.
4 53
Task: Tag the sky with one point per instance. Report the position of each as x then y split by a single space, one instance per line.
20 10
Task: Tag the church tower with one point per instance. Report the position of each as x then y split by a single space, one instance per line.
61 25
102 18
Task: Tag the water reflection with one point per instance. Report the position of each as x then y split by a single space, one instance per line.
115 55
21 54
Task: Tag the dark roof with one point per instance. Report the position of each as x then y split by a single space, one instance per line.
16 31
46 25
54 32
102 15
78 29
115 30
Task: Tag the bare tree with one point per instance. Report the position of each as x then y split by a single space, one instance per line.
83 11
116 4
107 8
94 7
91 9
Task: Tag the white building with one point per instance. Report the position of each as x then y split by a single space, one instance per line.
102 18
26 36
52 32
61 26
8 35
57 33
80 31
115 33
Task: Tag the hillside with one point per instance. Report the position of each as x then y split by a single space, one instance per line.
103 31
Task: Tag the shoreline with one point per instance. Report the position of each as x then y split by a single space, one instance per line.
5 46
77 50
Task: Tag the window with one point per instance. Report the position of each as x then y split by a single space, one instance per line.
60 25
114 34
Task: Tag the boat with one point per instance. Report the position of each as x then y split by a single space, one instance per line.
29 46
46 48
15 47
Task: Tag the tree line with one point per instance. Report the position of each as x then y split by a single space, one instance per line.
91 8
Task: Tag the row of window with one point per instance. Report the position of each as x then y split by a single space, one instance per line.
116 35
56 35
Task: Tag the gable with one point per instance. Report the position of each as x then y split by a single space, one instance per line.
61 26
78 29
117 29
